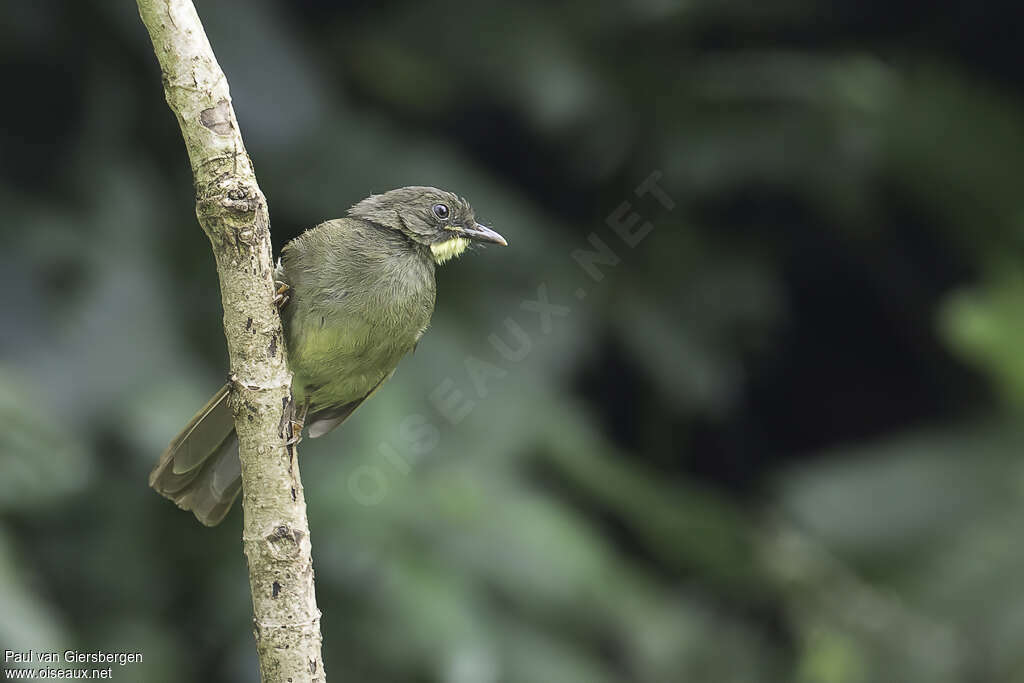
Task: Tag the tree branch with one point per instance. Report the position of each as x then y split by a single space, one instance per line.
233 213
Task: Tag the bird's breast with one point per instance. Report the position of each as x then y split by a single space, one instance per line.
340 347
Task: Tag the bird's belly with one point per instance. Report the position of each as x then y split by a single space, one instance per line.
336 362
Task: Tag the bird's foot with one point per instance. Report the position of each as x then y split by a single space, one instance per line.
280 295
296 421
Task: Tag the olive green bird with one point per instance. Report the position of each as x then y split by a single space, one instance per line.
360 293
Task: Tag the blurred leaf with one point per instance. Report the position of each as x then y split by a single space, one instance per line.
986 325
40 461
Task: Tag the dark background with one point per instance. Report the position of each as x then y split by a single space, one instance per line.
778 441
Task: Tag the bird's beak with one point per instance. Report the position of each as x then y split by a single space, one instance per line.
482 233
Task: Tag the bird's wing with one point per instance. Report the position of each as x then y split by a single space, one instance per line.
322 421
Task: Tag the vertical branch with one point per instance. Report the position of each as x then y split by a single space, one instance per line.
233 213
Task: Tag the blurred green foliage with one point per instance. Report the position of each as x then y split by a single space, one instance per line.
778 440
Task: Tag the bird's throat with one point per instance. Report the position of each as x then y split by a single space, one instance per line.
449 249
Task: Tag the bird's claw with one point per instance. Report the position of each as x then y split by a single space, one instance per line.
280 296
296 420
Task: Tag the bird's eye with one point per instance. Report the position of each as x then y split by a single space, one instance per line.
441 211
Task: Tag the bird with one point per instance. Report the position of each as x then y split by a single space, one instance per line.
355 296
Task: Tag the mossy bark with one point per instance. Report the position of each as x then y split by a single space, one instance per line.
233 213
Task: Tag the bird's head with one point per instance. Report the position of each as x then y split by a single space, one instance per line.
440 220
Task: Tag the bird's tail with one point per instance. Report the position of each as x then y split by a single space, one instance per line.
200 470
